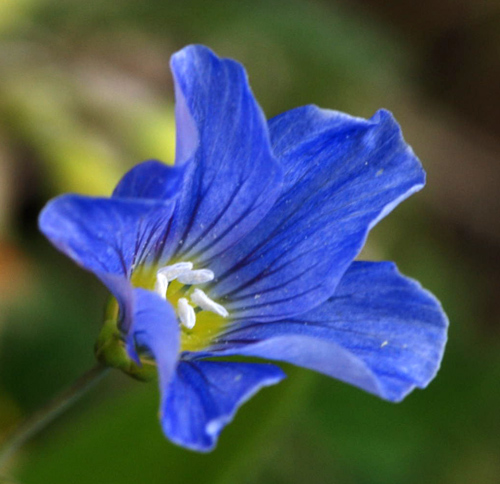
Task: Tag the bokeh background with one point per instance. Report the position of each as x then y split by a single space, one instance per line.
85 93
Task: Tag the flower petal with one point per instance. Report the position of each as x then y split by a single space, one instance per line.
204 396
150 179
342 175
106 235
232 178
155 329
380 331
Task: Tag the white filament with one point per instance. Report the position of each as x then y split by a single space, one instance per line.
161 285
196 277
186 313
175 270
204 302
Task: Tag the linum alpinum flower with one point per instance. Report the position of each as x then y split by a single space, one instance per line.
246 247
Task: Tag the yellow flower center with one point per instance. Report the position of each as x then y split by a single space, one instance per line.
200 318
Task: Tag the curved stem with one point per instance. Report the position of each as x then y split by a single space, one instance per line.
40 419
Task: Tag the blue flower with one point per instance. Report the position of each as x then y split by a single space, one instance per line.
246 246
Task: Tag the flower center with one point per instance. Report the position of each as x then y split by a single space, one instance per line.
175 282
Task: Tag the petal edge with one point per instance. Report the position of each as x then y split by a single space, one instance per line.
380 331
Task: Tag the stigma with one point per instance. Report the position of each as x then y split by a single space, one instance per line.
184 273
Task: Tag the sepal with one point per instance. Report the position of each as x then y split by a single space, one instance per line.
110 348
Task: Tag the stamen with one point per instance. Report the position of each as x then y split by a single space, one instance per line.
161 285
184 273
196 277
175 270
204 302
186 313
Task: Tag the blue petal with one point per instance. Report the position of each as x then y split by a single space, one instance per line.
108 237
155 329
150 179
232 178
205 395
342 175
380 331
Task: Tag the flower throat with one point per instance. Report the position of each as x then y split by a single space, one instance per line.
200 318
175 282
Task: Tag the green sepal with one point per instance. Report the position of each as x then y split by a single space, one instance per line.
110 348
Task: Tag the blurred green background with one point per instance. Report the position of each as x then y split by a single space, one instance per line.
85 93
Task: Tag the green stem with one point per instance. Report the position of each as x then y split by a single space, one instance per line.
40 419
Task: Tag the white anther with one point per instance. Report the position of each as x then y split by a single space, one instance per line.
196 277
175 270
204 302
161 285
186 313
